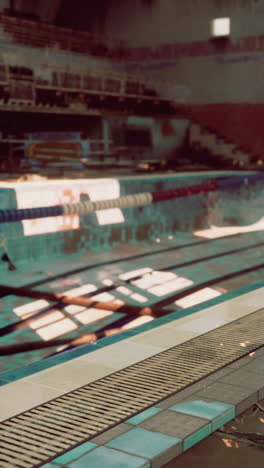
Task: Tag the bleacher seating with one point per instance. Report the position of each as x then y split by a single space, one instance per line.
238 123
93 82
208 147
62 87
56 87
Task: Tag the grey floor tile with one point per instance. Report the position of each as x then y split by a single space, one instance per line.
247 359
165 457
222 373
245 379
260 352
225 393
256 365
241 362
174 424
183 395
111 434
261 394
247 403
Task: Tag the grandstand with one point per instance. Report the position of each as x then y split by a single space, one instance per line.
37 79
60 72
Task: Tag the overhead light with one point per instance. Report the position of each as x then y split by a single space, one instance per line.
220 27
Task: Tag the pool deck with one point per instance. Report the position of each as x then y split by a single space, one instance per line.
170 427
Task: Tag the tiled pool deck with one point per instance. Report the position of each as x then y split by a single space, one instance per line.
157 435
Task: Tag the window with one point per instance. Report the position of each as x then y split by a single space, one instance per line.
220 27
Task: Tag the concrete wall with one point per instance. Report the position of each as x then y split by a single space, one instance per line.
220 81
172 40
184 21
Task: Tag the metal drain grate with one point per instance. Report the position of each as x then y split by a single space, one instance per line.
39 435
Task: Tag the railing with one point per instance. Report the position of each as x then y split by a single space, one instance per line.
108 82
25 80
34 33
74 88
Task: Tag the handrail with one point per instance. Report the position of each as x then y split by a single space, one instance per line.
122 80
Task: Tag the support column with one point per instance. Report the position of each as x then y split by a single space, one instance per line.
106 135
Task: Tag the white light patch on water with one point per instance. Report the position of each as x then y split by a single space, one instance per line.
198 297
54 316
81 291
74 309
103 297
137 322
133 273
118 301
215 231
170 287
124 290
107 282
30 308
56 329
144 283
91 315
139 298
157 277
55 324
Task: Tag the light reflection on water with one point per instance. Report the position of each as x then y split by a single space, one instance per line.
216 231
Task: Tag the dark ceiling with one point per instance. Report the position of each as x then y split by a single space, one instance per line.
76 14
80 14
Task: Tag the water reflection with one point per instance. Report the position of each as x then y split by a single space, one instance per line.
216 231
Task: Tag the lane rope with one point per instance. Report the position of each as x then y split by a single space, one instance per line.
128 201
